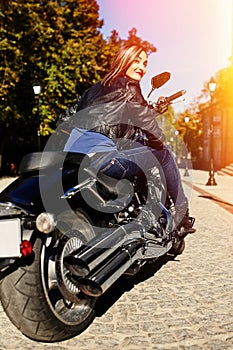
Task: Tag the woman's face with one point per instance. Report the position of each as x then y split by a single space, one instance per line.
138 68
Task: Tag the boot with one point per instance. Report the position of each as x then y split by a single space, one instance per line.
184 223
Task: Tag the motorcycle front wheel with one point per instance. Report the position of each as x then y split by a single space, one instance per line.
41 299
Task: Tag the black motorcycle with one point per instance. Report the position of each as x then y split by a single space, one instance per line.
67 234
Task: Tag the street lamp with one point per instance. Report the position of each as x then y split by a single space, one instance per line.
37 90
211 181
186 119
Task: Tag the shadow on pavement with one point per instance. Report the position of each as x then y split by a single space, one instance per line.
126 283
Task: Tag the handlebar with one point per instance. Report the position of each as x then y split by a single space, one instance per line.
162 105
178 94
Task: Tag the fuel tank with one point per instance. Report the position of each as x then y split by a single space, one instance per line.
43 179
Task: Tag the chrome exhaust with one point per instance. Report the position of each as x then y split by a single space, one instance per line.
89 256
103 277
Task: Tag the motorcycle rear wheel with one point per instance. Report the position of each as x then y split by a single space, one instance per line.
33 300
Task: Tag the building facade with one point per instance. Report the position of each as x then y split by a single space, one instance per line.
222 124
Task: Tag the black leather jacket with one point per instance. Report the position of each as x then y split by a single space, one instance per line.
118 111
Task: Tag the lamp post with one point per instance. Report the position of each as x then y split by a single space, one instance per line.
211 181
37 90
186 119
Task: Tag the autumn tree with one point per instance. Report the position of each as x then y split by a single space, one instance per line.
224 86
58 43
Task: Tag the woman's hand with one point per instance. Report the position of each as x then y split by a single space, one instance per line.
161 105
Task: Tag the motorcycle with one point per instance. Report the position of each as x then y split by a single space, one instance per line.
68 234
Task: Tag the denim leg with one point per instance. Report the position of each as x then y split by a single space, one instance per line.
172 175
164 159
128 163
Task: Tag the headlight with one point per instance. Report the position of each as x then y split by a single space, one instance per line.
8 209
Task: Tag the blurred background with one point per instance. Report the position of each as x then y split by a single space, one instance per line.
51 51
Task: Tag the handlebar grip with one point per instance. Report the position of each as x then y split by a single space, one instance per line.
175 96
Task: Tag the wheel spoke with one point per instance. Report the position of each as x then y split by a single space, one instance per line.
61 289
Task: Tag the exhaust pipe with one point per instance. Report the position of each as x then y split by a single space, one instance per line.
101 278
89 256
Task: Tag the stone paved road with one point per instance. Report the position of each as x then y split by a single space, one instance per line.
186 304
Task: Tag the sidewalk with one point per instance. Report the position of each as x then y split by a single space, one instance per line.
196 180
182 304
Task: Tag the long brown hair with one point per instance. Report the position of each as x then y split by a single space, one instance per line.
122 62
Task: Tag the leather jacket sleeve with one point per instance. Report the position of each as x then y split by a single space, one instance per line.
68 113
116 111
144 117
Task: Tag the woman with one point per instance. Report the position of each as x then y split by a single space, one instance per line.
110 117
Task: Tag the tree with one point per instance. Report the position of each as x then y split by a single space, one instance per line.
190 132
224 86
134 39
58 43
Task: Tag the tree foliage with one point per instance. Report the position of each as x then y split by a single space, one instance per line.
58 43
190 131
224 87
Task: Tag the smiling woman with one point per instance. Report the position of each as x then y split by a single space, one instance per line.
114 124
138 68
193 38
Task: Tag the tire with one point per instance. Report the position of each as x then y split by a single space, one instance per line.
33 297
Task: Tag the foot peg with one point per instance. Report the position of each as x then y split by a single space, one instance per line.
187 229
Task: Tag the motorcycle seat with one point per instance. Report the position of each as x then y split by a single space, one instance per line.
44 160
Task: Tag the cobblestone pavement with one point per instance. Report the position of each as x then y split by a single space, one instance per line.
186 304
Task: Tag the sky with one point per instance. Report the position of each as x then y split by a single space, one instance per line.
193 39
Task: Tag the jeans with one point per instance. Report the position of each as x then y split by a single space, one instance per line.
128 163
